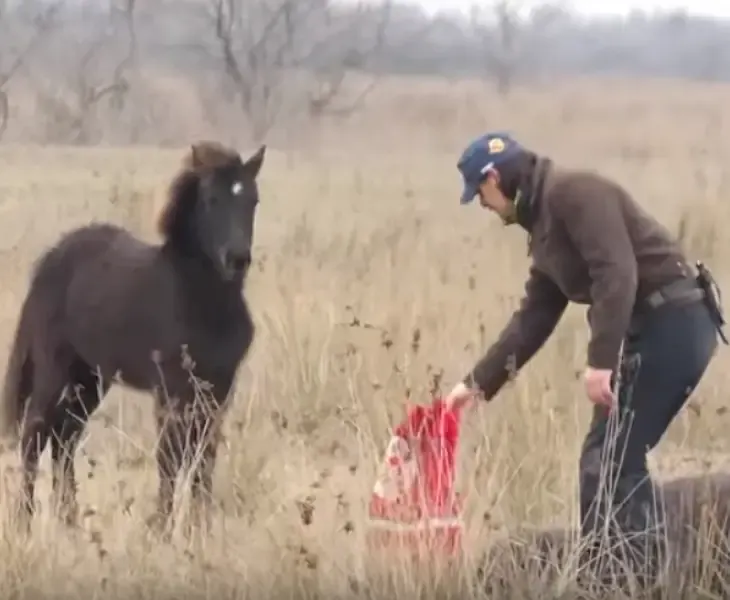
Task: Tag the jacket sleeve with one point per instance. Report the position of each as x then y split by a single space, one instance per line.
529 328
595 223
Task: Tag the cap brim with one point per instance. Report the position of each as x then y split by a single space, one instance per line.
467 196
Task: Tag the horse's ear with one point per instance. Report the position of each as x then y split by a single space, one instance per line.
194 158
253 164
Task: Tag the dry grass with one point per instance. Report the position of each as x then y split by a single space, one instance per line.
370 231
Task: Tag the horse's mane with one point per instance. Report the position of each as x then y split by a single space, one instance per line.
182 193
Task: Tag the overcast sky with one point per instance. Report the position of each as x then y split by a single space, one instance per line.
703 7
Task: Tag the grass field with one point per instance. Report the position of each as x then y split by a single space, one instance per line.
370 228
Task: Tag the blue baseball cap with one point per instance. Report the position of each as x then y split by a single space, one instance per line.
485 152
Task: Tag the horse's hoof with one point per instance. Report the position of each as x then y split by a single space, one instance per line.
22 517
198 524
158 524
70 521
68 515
200 518
22 524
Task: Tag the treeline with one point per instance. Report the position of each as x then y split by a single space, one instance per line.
79 71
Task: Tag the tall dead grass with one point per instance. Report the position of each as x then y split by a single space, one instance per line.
371 286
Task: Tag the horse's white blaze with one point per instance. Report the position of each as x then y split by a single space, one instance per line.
237 188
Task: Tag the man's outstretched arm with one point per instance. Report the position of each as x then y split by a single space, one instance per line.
541 308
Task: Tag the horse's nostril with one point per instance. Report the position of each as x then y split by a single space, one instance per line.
239 262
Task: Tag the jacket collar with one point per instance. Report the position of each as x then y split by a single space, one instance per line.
530 193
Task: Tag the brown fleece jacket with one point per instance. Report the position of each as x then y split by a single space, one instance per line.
591 244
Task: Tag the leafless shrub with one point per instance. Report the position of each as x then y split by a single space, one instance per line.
284 55
97 71
22 30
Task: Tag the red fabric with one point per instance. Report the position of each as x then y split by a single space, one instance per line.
427 543
432 433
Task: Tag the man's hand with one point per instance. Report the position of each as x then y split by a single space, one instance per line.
598 387
461 397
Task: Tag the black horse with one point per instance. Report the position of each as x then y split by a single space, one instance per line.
104 306
696 548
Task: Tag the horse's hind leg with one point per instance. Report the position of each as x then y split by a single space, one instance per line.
48 387
83 397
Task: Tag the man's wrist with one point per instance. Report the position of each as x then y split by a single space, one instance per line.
471 383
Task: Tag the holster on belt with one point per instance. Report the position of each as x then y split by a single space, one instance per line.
712 297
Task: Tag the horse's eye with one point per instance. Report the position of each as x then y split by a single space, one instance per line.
237 188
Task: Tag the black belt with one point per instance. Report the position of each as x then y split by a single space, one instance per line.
682 291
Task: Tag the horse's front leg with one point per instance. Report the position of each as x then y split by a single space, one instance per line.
206 427
202 476
170 459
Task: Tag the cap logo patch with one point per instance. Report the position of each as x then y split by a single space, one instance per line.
495 145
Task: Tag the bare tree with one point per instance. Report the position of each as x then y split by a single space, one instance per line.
31 23
328 90
282 55
500 40
98 73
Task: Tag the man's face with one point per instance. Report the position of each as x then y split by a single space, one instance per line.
491 197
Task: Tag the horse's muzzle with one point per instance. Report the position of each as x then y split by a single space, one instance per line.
237 263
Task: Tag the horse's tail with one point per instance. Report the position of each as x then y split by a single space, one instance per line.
18 381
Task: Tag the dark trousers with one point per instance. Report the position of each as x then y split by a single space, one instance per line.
665 355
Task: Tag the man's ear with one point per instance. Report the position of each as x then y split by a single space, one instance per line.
493 177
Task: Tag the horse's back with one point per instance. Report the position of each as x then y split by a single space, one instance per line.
75 250
697 528
85 267
118 296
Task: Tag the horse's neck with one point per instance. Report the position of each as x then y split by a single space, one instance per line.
200 276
